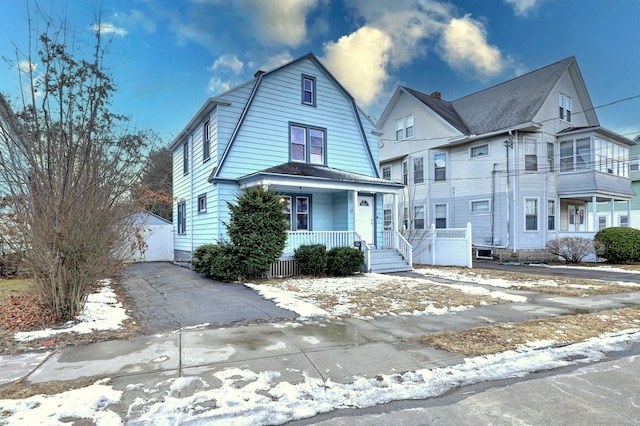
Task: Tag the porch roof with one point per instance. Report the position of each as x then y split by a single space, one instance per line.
305 175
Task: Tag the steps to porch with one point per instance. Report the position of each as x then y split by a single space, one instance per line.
387 260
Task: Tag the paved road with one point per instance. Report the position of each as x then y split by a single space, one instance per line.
605 393
167 297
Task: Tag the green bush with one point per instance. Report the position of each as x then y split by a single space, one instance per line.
219 262
311 259
343 261
257 229
618 244
201 257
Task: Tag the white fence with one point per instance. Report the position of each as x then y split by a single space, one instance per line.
444 247
330 239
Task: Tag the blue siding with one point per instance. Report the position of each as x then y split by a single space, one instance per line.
263 139
322 212
341 212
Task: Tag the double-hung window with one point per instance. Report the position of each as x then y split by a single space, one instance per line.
296 210
418 170
550 157
551 215
530 154
405 172
405 127
308 90
418 217
440 167
206 144
185 158
564 107
531 214
388 219
440 213
182 218
308 144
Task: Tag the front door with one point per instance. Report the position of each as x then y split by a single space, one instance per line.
364 218
577 218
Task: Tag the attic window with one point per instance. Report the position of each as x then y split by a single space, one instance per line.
564 107
308 90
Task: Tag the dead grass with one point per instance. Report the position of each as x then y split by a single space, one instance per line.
15 287
21 390
562 330
546 284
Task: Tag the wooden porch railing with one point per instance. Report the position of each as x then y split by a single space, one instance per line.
394 240
330 239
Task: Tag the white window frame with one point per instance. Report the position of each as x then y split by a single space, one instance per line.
436 168
206 144
473 151
405 172
625 223
473 206
551 157
182 218
600 224
387 219
384 169
311 91
418 178
405 127
551 213
202 203
526 213
436 217
416 217
530 150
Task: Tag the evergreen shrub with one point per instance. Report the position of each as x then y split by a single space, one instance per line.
343 261
618 244
311 259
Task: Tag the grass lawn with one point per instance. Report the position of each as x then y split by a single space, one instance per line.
14 287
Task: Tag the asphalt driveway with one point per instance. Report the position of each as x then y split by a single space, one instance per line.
167 297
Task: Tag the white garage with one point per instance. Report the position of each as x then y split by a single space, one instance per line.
157 233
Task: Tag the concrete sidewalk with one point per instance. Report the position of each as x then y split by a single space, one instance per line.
336 350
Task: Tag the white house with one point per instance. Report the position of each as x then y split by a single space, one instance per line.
297 131
521 161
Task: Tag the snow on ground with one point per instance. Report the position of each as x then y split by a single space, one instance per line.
101 312
240 396
471 276
344 295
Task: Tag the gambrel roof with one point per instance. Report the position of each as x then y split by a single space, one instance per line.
510 104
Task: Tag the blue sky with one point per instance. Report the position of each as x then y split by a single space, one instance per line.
168 56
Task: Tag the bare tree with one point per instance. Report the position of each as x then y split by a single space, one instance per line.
67 165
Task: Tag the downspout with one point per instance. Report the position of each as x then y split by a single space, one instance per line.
191 184
515 191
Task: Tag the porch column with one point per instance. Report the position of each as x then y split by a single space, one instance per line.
394 220
613 211
594 214
629 213
355 210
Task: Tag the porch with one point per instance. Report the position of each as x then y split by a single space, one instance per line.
394 255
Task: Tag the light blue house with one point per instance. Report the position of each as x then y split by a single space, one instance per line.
298 132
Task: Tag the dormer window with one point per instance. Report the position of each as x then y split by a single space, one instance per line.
308 90
564 107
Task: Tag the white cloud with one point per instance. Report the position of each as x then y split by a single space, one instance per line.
217 86
280 22
465 48
359 61
230 62
106 28
275 61
26 66
523 7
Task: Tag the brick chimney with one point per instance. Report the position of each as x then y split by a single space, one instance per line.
258 73
436 95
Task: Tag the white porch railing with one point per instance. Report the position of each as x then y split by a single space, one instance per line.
330 239
395 240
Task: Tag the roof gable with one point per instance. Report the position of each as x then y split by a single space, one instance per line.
510 103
